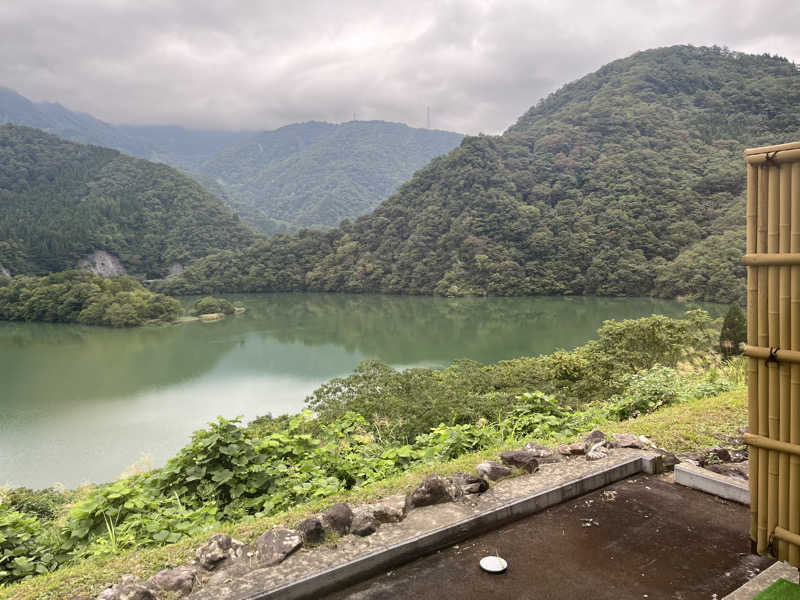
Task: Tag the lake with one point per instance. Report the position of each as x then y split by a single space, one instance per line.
80 404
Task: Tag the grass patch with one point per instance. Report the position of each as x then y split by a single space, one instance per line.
695 425
691 425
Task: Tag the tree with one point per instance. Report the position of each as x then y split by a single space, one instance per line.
734 331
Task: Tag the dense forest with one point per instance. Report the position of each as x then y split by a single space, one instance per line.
82 297
60 201
627 182
316 174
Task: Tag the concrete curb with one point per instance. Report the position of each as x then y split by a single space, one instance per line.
762 581
712 483
357 570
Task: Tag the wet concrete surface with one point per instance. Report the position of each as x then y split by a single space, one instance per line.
641 538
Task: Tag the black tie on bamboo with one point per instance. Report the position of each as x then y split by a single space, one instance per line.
773 354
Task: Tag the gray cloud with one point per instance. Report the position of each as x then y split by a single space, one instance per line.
478 64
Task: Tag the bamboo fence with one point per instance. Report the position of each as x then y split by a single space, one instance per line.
773 348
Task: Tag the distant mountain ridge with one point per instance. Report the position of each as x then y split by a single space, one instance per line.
62 203
302 175
316 174
627 182
175 146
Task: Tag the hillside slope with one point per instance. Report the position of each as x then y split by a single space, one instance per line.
627 182
61 201
316 174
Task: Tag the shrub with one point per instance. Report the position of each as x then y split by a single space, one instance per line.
26 547
209 304
734 331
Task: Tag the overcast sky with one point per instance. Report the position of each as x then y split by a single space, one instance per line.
260 64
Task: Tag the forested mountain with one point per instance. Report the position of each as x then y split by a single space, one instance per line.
176 146
629 181
61 201
316 174
302 175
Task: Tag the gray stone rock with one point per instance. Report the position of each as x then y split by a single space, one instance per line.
180 580
669 460
543 454
175 269
127 591
524 459
312 530
720 454
273 546
595 436
435 489
740 470
493 470
390 510
102 263
469 484
338 517
596 450
576 448
627 440
4 272
698 459
218 550
364 524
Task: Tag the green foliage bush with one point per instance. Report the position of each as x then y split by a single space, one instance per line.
130 513
44 504
26 549
209 304
405 404
82 297
734 331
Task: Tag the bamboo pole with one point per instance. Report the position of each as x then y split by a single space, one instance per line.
784 340
794 398
762 352
773 301
779 157
788 536
763 340
771 149
761 441
765 260
752 339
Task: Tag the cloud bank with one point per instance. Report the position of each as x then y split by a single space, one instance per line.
245 64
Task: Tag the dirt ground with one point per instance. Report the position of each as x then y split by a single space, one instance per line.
641 538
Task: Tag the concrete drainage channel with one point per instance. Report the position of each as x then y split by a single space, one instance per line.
341 576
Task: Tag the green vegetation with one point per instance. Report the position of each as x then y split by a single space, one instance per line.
734 331
302 175
365 431
82 297
210 304
690 424
627 182
316 174
60 201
